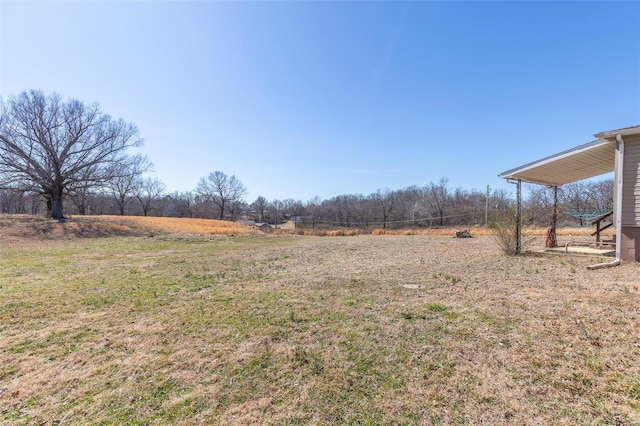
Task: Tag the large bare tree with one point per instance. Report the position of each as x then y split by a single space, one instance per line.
222 190
51 146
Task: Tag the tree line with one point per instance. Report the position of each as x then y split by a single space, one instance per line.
62 157
432 205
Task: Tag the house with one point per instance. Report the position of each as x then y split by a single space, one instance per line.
615 151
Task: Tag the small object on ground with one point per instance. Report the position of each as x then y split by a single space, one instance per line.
463 234
412 286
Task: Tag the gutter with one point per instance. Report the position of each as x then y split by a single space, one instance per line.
618 183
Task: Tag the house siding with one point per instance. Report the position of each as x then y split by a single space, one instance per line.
630 235
631 182
630 244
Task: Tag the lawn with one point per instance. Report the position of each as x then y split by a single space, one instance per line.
191 329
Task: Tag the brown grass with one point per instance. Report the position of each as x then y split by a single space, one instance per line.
174 225
371 329
18 227
482 231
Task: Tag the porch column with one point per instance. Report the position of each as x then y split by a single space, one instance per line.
518 217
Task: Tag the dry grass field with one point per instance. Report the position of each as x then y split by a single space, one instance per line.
131 321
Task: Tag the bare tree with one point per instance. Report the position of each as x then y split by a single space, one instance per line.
287 207
601 194
12 200
276 207
221 190
364 209
342 209
260 205
539 204
80 198
235 209
313 210
179 204
125 181
149 190
410 201
501 199
386 202
468 207
50 146
575 198
438 198
297 210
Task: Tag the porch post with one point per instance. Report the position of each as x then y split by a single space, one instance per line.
518 217
554 222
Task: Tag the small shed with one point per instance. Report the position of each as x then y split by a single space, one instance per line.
615 151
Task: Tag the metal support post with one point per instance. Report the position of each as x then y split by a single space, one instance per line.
518 217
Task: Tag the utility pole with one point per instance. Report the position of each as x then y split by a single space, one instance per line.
486 208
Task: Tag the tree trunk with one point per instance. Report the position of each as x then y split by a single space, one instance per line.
56 202
222 210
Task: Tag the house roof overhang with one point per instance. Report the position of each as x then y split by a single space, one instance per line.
582 162
611 134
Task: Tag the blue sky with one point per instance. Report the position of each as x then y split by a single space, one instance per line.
304 99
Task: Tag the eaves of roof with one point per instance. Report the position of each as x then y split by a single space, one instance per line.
582 162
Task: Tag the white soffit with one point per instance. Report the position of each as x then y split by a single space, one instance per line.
582 162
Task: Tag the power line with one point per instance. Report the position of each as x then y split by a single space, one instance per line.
388 222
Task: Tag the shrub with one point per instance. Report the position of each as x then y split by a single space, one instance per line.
503 231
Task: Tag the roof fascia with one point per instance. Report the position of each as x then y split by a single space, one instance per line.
611 134
584 147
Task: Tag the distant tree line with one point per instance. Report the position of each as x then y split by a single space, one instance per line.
576 202
61 156
220 196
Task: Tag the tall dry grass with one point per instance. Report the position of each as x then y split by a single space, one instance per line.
181 225
103 225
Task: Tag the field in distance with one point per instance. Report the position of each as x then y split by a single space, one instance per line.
19 227
144 326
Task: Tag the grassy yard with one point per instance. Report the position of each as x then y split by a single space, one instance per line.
287 330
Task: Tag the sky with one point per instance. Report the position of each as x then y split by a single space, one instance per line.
300 99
